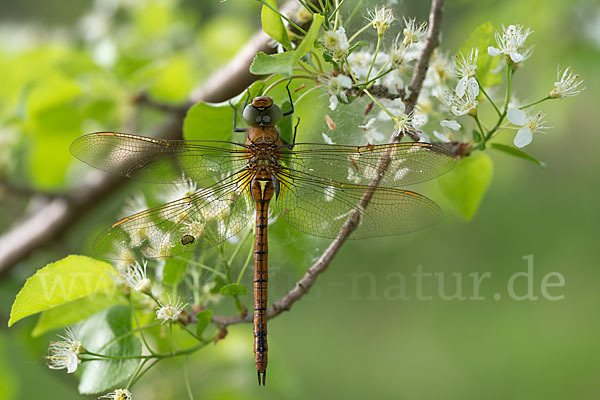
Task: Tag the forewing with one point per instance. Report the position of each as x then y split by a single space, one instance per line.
157 160
203 219
320 208
405 163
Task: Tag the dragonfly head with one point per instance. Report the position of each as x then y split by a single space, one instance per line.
262 112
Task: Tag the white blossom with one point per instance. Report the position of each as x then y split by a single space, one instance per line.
466 68
381 19
134 276
336 44
412 33
65 354
567 85
466 104
169 310
528 124
511 43
336 86
119 394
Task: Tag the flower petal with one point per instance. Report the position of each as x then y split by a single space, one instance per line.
450 124
492 51
461 86
333 102
516 116
523 137
441 137
516 57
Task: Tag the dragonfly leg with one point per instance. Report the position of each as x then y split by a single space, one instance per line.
291 145
287 87
235 128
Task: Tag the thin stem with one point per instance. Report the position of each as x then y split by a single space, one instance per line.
354 11
312 9
138 327
203 266
190 332
372 81
152 364
481 131
135 373
336 13
316 57
489 98
283 16
361 30
379 104
535 102
279 81
239 279
186 377
503 115
374 56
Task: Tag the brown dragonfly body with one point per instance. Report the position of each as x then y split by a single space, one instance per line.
264 142
315 188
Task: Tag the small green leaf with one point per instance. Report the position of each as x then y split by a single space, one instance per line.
72 312
62 282
310 38
356 45
204 318
109 333
476 136
282 63
233 289
467 183
481 38
517 153
273 25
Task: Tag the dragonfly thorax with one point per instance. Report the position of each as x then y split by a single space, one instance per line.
262 112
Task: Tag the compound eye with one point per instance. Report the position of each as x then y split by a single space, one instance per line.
252 116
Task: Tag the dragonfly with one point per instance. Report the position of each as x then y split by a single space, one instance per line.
315 188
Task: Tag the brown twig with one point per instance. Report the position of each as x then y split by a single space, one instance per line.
321 265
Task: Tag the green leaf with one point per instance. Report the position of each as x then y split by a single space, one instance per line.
72 312
356 45
517 153
64 281
282 63
310 38
108 332
481 38
233 289
467 183
273 25
204 318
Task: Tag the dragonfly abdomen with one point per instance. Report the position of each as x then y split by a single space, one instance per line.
261 282
262 192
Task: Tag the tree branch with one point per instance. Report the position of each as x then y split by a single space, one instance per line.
321 265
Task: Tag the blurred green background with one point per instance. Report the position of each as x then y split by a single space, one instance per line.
353 336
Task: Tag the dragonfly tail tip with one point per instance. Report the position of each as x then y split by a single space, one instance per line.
264 377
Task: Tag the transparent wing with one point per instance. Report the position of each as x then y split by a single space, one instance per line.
156 160
203 219
320 207
409 163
